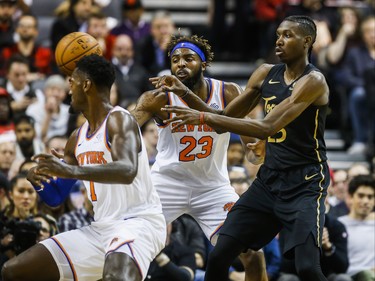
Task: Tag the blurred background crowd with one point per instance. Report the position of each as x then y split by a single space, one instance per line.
34 110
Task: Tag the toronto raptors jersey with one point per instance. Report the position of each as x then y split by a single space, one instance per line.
193 155
301 142
115 201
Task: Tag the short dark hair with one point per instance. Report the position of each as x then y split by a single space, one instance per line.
17 58
200 42
361 180
308 27
23 117
99 70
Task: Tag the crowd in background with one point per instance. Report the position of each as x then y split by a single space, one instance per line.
34 117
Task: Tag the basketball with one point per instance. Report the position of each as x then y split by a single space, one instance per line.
72 47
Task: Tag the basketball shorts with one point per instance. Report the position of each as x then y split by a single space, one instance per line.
80 254
290 201
208 207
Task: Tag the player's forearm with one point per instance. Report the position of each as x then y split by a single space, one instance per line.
244 127
115 172
195 102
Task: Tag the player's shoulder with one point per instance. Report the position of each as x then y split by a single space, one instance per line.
315 76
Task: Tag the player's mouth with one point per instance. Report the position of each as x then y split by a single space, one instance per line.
182 74
278 51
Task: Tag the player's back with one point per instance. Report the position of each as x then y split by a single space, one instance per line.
115 201
193 154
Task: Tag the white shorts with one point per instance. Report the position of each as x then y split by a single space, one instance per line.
208 207
80 254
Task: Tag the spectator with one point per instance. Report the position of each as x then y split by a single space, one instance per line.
78 13
57 143
39 57
239 178
26 165
338 202
51 115
97 26
7 10
132 23
131 77
7 157
235 154
22 207
6 118
4 188
153 48
79 217
27 143
357 169
48 226
360 224
150 137
359 60
175 262
21 93
187 232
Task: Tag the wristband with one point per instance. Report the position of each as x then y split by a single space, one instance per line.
201 117
186 93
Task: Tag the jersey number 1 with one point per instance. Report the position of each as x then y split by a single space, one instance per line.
92 192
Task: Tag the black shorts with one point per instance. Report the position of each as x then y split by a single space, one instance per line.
291 201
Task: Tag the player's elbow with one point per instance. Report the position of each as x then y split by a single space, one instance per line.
129 176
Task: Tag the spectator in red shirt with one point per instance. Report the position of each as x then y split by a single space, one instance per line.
39 57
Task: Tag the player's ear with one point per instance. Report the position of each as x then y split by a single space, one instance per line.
87 85
204 65
307 41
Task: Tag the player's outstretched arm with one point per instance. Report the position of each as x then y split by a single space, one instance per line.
311 89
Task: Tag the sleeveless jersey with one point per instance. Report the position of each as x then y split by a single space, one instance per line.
115 201
301 142
194 156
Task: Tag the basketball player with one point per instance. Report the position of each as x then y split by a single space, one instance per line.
108 154
190 171
289 191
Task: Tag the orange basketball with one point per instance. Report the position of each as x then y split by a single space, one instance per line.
72 47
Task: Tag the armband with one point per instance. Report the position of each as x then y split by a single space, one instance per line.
56 191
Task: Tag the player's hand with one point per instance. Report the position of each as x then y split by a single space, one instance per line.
326 243
256 152
51 165
184 115
37 178
169 83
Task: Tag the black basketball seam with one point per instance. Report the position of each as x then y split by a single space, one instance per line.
62 54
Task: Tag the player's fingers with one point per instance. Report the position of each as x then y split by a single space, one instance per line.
55 153
171 108
41 156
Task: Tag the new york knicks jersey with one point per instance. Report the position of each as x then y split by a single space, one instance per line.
301 142
115 201
193 155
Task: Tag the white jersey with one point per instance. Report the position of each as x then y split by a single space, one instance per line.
194 156
115 201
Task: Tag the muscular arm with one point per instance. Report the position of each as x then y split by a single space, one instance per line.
125 144
311 89
148 106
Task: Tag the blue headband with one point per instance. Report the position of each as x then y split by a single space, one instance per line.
190 46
